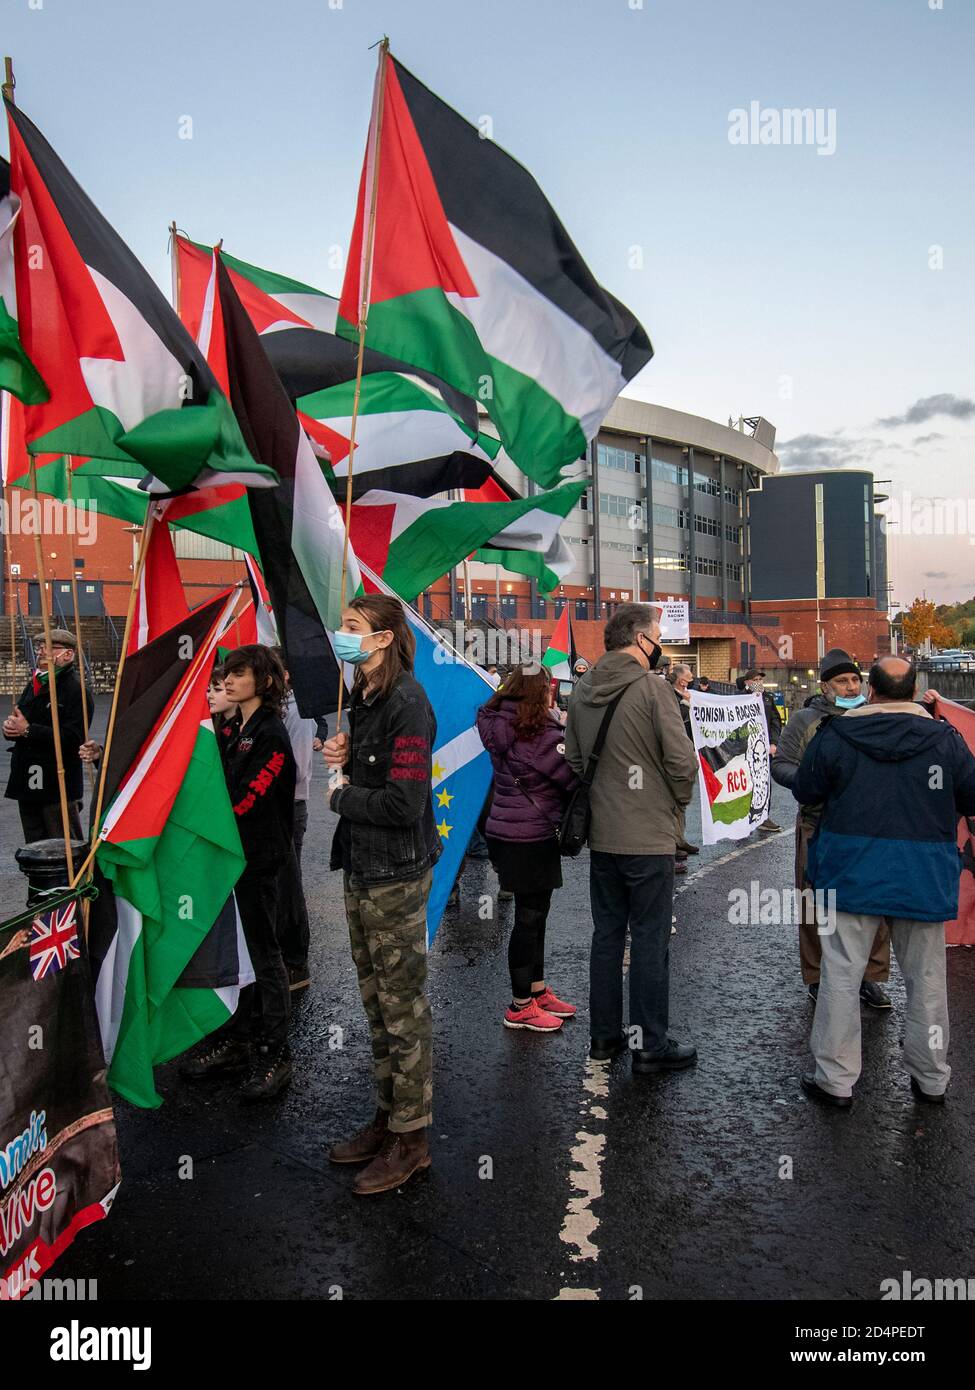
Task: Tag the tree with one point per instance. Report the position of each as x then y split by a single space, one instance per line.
919 621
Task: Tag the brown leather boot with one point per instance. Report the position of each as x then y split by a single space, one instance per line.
364 1145
401 1156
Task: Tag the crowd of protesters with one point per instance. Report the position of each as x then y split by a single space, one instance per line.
879 785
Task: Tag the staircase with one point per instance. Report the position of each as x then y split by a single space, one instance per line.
100 641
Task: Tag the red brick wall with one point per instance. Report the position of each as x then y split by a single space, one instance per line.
854 624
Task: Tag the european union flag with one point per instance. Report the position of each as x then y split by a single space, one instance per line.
461 765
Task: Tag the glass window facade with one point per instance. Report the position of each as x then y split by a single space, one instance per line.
668 472
611 457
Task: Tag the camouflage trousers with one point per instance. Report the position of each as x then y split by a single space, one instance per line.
388 933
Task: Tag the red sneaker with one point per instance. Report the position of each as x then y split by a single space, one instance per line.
552 1004
532 1017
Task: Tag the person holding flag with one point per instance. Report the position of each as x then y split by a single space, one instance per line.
386 845
260 770
33 781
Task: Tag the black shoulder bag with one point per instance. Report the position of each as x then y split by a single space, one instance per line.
574 829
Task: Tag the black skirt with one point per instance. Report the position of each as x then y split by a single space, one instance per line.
526 866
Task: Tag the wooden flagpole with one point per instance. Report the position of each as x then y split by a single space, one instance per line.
365 286
9 83
8 494
77 629
185 681
106 751
51 672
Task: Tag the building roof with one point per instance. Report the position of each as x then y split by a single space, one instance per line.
635 417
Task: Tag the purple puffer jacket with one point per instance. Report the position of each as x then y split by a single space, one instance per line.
540 766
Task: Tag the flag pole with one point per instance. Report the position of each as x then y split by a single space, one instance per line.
9 83
185 682
365 285
103 767
77 628
55 716
8 494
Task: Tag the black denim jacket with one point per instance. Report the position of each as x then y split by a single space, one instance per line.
387 830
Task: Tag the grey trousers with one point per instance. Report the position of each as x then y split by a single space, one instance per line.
835 1042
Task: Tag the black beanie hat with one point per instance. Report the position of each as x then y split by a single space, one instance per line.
837 663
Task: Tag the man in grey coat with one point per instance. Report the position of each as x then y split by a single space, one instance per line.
644 779
839 690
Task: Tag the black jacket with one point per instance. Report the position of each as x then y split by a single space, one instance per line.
260 770
33 766
386 830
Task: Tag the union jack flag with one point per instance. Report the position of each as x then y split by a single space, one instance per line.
53 940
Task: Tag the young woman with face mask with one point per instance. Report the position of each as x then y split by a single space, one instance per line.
386 844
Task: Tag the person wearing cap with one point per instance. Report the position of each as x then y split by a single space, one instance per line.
839 690
645 776
892 783
33 781
754 681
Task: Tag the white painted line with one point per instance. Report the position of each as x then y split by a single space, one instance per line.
580 1224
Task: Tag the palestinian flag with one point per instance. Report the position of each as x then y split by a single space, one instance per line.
160 601
170 856
414 434
474 278
299 528
560 656
407 438
129 386
17 372
296 324
728 777
411 541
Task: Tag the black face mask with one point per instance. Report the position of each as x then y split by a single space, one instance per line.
653 656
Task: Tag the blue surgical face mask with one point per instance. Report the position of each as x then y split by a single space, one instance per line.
850 701
348 647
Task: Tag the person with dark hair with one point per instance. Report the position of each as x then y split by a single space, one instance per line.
532 780
644 777
295 932
892 783
839 690
260 771
753 680
33 781
386 845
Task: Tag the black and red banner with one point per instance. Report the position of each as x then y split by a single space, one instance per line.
59 1167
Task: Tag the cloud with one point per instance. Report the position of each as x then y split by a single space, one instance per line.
927 438
958 407
834 451
936 574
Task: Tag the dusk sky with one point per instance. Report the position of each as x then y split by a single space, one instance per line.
826 285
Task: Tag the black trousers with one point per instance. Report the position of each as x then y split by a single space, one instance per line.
44 822
634 891
265 1006
295 934
526 948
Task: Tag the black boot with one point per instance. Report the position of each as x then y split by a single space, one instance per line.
270 1074
223 1054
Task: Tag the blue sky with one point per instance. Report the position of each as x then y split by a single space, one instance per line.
774 280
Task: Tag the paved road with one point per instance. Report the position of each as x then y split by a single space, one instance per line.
555 1178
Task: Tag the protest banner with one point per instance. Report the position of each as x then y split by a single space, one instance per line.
59 1167
731 741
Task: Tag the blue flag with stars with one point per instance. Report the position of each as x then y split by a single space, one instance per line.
461 764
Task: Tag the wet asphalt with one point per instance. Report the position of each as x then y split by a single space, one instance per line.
553 1178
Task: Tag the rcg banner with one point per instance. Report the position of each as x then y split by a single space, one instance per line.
59 1166
731 741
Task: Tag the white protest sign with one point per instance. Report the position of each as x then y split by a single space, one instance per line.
675 621
731 741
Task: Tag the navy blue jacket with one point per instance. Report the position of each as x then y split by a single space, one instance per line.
893 783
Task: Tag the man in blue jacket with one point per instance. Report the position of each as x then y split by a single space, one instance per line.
893 782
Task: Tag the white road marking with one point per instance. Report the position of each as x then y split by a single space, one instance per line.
580 1224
